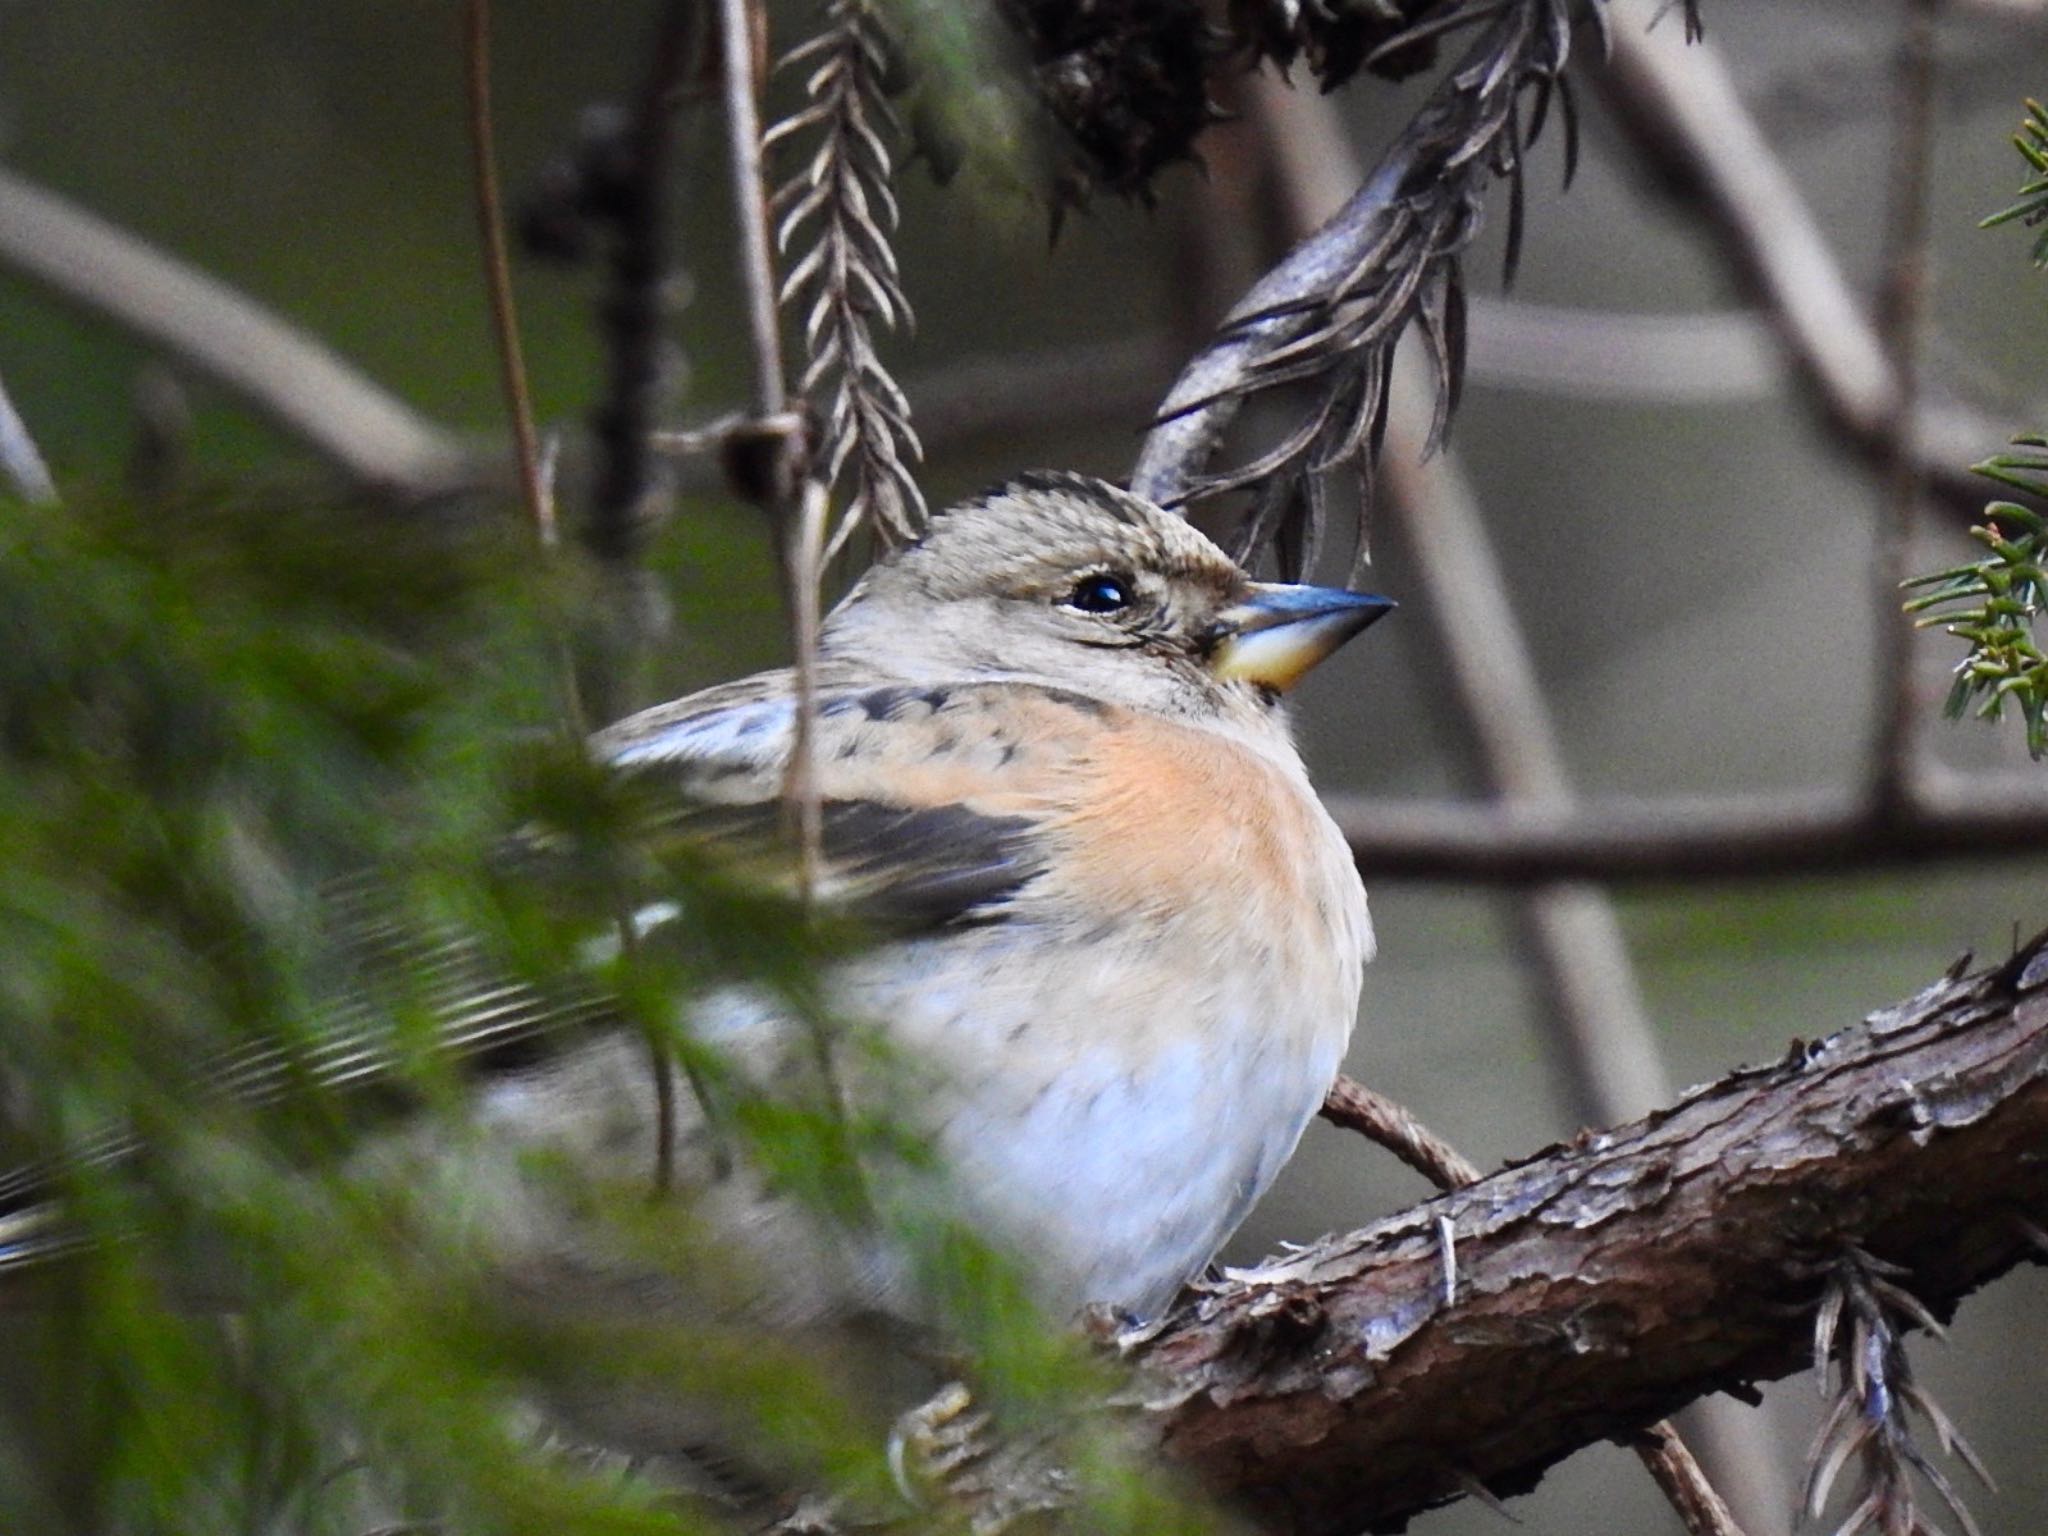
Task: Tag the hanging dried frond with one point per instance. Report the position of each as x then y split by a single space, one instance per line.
840 209
1863 1315
1329 316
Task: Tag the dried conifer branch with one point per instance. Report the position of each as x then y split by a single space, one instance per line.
840 206
1860 1325
1331 313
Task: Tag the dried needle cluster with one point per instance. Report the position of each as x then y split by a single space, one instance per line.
1329 317
841 209
1860 1325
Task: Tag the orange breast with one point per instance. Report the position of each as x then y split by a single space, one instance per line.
1180 821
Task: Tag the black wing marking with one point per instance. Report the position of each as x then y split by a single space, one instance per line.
893 867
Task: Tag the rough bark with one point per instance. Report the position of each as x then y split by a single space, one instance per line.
1602 1284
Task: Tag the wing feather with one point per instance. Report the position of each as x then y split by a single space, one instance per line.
933 799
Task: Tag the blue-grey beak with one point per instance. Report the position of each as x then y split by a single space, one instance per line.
1278 632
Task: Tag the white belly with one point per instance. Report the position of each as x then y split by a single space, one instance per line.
1113 1119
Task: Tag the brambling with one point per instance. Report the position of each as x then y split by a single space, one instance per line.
1123 942
1128 940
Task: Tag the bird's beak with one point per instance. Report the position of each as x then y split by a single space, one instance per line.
1277 633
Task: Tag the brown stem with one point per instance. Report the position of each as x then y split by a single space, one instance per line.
490 219
1684 1484
1683 116
286 376
1355 1107
628 468
750 205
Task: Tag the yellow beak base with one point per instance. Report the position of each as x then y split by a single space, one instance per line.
1278 633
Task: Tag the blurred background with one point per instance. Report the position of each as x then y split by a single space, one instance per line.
1688 554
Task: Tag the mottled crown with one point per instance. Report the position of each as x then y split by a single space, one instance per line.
1041 527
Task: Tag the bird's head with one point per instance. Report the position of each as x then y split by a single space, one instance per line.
1066 580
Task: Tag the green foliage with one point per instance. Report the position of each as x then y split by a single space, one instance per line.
2032 207
233 740
1993 603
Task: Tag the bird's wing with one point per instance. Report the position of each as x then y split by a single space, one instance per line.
933 801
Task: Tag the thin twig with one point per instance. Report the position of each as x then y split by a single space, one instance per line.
750 205
490 218
1355 1107
804 556
626 483
794 507
20 462
1683 1482
285 375
1899 708
794 499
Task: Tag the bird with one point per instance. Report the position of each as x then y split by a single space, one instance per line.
1052 752
1116 943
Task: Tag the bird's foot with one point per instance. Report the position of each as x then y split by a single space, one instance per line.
946 1455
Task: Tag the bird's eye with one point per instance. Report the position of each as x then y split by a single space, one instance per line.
1104 592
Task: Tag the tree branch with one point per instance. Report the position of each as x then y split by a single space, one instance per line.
282 373
736 23
1759 837
1680 109
1386 257
1604 1283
